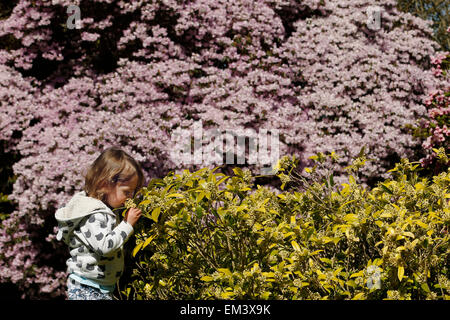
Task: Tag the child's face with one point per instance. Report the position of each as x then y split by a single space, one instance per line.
116 196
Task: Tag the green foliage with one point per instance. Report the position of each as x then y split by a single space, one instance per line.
437 11
205 235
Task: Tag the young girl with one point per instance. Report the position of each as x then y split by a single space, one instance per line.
92 231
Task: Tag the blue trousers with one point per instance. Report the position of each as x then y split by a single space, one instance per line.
78 291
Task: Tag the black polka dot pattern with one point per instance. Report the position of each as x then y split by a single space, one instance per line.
96 243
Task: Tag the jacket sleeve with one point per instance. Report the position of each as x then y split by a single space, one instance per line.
99 233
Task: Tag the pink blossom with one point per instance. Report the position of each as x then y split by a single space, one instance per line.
86 36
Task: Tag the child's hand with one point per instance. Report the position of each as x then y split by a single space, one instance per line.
133 215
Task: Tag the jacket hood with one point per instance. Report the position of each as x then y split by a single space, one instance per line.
74 211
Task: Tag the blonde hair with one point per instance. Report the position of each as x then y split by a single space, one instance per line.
112 166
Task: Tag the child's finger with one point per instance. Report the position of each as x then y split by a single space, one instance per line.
136 211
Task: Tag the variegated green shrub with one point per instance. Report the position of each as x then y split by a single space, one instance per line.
205 235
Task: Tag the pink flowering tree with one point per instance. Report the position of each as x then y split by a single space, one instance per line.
434 128
329 75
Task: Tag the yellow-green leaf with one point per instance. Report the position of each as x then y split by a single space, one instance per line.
421 224
350 217
241 207
320 275
155 214
385 215
149 239
346 189
175 195
137 248
238 171
408 234
144 202
226 295
340 208
200 196
295 245
268 274
288 234
425 287
351 283
207 278
419 186
357 274
225 271
221 180
359 296
400 273
379 223
351 179
385 188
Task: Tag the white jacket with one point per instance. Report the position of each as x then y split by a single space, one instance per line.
95 239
